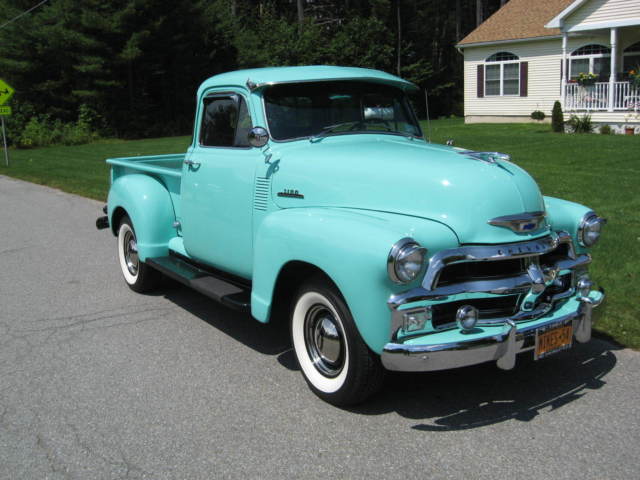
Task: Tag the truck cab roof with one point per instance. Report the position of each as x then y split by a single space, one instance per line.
257 78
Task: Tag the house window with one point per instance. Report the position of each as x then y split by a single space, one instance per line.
502 74
631 58
594 59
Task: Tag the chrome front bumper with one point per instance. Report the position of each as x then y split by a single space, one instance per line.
500 343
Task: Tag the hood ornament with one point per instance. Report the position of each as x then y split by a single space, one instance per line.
488 157
520 223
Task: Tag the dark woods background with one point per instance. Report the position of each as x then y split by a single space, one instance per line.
130 68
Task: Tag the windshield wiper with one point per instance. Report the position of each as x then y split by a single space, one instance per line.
330 129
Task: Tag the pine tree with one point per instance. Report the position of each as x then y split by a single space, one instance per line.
138 63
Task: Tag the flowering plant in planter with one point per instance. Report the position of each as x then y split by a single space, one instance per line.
630 119
634 77
587 79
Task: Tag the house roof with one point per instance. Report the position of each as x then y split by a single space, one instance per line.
556 22
516 20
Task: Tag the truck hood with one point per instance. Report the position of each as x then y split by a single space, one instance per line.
409 177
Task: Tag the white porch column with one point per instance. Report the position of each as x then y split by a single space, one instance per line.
612 76
563 69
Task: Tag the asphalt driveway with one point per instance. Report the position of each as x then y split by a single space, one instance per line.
99 382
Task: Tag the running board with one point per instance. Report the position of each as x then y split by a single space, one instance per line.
204 282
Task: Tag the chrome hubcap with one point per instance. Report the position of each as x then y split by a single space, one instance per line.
324 340
131 253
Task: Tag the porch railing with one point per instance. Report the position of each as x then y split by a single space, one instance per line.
596 97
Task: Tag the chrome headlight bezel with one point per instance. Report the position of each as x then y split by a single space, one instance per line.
590 224
401 251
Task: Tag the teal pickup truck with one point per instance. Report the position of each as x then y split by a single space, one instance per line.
311 193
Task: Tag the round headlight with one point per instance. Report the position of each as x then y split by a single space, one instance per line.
405 261
589 229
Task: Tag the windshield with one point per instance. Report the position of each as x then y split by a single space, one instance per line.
339 107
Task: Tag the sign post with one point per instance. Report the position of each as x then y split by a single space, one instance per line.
4 140
6 92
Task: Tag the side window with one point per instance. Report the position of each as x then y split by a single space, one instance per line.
225 122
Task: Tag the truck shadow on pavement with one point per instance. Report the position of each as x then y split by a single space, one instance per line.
460 399
266 338
484 395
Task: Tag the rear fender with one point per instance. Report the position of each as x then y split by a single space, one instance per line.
147 202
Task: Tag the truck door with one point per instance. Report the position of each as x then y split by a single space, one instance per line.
217 185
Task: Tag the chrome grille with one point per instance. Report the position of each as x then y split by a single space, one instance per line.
490 270
495 279
473 271
444 314
501 306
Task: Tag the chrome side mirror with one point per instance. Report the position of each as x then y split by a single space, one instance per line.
258 137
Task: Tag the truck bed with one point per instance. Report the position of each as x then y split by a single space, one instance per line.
166 168
169 165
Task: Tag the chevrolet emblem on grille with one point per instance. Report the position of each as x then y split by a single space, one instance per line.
520 223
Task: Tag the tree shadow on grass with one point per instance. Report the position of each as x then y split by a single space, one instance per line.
459 399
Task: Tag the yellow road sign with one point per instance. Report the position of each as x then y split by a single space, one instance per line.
6 92
5 110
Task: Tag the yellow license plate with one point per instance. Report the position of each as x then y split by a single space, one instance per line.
553 340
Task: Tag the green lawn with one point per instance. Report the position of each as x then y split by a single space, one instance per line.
600 171
82 169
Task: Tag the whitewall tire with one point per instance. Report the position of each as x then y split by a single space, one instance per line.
139 276
334 360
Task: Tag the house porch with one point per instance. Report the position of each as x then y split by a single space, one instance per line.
613 98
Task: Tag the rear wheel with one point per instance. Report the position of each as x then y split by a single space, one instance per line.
333 358
138 275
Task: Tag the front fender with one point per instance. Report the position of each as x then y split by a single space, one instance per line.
565 215
351 247
148 204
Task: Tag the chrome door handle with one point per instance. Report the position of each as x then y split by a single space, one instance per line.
191 163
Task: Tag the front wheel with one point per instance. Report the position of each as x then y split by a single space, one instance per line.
138 275
333 358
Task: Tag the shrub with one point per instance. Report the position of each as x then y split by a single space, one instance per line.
580 124
41 131
557 118
538 115
605 130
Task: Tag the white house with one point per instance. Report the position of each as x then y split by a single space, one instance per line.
530 52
